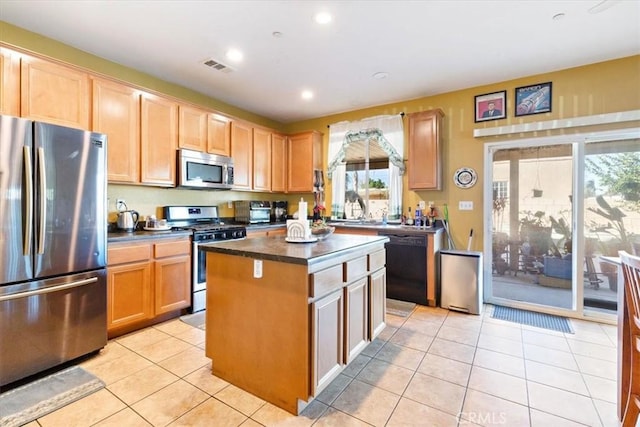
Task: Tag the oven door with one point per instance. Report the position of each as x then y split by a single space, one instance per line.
199 279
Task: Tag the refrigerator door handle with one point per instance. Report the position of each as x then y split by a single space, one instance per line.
42 199
50 289
28 220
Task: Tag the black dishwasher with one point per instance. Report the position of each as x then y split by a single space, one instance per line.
407 267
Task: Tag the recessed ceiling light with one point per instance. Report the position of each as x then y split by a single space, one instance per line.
380 75
234 55
323 18
307 94
558 16
276 34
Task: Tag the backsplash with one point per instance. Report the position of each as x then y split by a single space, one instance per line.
150 200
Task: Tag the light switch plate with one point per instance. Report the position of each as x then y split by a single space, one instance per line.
465 205
257 268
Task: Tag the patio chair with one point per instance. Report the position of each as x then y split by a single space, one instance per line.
592 275
630 376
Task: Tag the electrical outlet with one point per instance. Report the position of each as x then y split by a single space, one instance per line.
422 205
465 205
257 268
120 202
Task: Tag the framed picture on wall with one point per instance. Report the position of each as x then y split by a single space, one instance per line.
534 99
491 106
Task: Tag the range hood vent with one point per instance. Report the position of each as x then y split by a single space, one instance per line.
217 65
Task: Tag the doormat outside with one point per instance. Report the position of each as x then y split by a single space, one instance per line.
38 398
196 320
531 318
400 308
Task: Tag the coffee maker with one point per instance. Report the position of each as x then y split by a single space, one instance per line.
279 211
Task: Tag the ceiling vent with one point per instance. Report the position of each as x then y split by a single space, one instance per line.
216 65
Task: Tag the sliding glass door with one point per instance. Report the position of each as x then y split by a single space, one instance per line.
558 207
611 216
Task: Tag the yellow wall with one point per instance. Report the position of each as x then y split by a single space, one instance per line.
600 88
605 87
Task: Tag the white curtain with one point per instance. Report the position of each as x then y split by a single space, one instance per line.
389 133
338 175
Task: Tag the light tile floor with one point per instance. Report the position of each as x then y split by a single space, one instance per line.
434 368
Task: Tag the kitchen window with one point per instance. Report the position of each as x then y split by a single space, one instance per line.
366 168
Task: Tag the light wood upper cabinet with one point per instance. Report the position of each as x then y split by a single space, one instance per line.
192 132
425 150
159 140
304 155
54 94
261 160
116 113
10 82
278 163
219 141
242 153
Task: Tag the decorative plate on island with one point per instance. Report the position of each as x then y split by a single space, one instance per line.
165 228
298 240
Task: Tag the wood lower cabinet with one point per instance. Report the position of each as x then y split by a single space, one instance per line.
54 93
172 265
425 150
146 281
377 302
278 231
304 156
327 316
10 82
129 289
356 326
158 141
116 113
317 309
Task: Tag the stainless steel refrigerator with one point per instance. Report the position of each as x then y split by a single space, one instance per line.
53 246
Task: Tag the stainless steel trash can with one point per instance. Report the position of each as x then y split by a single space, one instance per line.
461 281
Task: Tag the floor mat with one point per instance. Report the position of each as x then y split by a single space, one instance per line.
531 318
195 319
38 398
400 308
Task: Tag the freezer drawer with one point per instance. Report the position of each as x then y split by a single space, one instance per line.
461 281
49 322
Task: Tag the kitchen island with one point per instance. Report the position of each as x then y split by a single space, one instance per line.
284 319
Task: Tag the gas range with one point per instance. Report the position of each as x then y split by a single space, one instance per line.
206 226
204 222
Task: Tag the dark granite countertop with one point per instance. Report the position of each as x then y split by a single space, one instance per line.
121 236
278 249
386 228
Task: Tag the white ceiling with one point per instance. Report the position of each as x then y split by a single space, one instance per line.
427 47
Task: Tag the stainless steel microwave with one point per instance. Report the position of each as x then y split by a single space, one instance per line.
204 171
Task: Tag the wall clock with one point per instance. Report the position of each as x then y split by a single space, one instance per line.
465 177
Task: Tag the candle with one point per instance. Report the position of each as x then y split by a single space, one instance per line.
302 209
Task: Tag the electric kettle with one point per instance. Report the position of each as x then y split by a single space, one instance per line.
127 220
